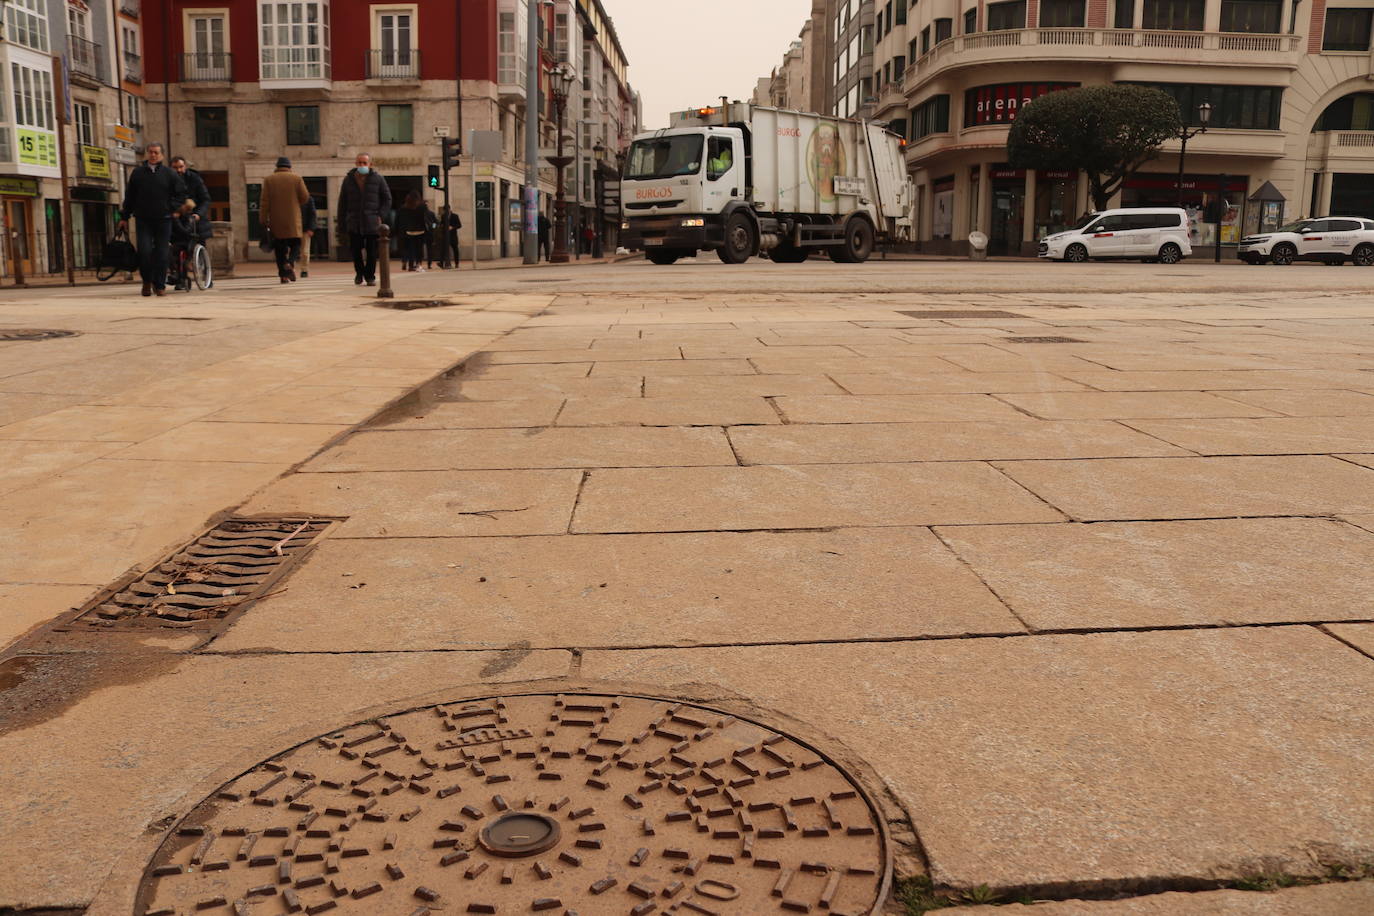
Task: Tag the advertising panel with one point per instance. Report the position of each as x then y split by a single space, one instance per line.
998 104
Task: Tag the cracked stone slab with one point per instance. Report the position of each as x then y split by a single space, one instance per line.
1359 635
62 837
802 496
1277 436
623 590
1047 760
895 408
492 449
1157 574
1126 405
1346 899
1310 403
724 411
942 441
1160 488
956 383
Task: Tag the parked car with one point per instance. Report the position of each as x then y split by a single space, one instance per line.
1333 239
1151 234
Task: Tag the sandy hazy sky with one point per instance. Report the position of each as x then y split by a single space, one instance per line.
687 53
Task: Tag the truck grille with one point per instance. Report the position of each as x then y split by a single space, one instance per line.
656 203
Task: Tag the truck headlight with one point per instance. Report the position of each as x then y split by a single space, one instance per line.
693 223
625 225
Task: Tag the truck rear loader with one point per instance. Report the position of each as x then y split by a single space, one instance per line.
743 180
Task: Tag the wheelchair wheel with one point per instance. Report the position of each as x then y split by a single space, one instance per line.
201 271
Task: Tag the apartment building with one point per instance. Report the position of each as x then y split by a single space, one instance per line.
241 82
72 74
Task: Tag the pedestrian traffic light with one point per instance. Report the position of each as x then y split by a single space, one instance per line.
450 153
434 176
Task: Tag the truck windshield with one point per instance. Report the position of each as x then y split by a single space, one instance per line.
664 157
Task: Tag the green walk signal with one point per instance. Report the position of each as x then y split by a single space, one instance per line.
434 176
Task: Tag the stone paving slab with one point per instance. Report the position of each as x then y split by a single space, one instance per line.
429 503
737 386
1348 899
481 389
270 443
910 365
1099 758
1277 436
104 424
894 408
479 449
724 411
673 367
1126 405
616 350
1310 403
805 496
1165 574
941 441
477 415
1253 380
27 606
477 368
310 404
1359 635
212 714
957 383
1163 488
115 514
637 590
24 463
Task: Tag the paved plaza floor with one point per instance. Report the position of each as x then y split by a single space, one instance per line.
1068 567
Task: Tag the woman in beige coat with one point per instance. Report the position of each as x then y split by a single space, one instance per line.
279 211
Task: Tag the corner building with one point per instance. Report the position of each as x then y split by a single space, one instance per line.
1291 86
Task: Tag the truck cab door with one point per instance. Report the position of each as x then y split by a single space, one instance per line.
724 171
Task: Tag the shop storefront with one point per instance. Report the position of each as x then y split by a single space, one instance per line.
1056 200
942 208
17 195
1203 198
1008 210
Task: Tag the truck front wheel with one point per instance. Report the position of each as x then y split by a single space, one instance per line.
857 244
739 239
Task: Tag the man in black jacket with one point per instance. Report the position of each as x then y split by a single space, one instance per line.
364 202
153 194
198 192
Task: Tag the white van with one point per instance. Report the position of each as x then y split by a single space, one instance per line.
1151 234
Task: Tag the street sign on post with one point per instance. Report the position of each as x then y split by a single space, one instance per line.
441 130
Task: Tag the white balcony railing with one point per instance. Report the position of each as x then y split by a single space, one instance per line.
1144 44
1325 145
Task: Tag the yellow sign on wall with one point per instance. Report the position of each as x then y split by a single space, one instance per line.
24 187
95 161
37 147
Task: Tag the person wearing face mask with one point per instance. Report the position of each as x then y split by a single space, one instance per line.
364 201
153 194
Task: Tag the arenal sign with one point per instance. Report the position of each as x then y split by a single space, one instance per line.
998 104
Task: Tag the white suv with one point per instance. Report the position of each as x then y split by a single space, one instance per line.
1333 239
1151 234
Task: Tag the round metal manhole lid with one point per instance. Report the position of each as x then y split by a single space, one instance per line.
35 333
558 803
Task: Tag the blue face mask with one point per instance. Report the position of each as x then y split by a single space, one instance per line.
363 170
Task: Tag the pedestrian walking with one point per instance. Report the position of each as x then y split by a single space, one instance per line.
154 193
447 236
364 202
589 239
283 194
309 217
414 222
199 216
544 227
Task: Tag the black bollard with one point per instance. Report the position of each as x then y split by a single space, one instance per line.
384 262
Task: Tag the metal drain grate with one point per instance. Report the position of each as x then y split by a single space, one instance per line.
231 564
410 305
960 313
1033 340
35 334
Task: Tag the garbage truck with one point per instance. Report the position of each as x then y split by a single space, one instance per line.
744 180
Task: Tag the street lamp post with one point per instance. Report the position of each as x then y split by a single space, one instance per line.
1204 115
560 84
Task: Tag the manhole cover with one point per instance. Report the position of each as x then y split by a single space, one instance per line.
960 313
35 334
410 305
560 803
1038 340
230 564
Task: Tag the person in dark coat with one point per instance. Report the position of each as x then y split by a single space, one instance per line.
414 222
196 223
446 237
309 217
544 228
364 202
153 194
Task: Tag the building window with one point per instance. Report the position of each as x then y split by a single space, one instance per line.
84 119
302 125
212 126
134 109
26 23
1174 15
930 117
1009 15
970 21
1233 107
1347 29
899 66
32 97
1251 15
925 40
1125 14
1354 112
511 48
396 37
1061 14
395 124
913 50
560 36
294 40
944 30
